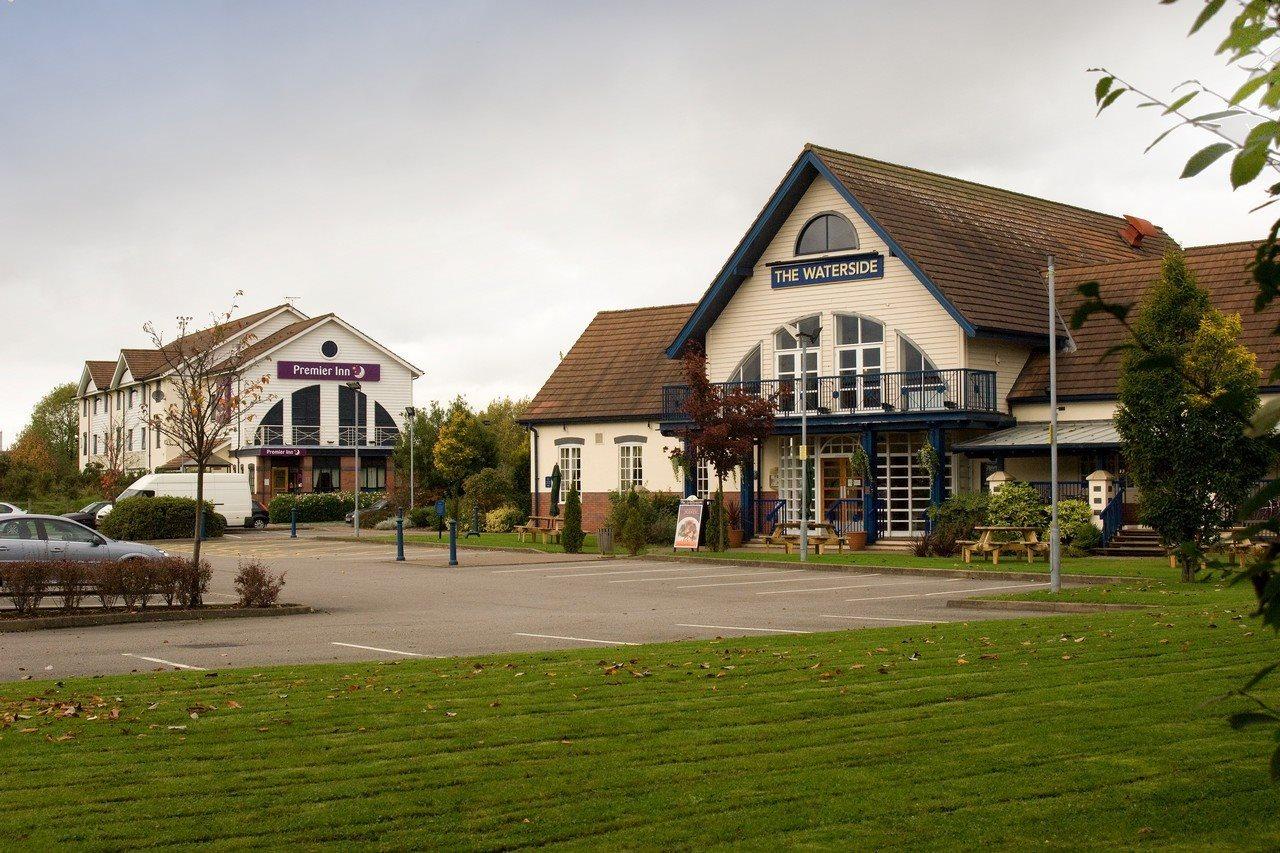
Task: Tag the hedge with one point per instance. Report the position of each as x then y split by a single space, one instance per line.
318 506
141 517
131 582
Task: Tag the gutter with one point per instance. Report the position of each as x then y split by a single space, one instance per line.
533 431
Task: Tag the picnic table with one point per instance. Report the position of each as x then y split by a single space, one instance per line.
821 535
1239 548
996 539
548 527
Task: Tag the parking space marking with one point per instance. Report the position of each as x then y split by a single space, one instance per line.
576 639
161 661
386 651
620 572
743 628
886 619
742 583
545 567
701 577
949 592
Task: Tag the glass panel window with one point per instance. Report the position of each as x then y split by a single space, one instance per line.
326 475
787 363
703 482
913 359
859 343
829 232
63 531
749 369
570 468
630 466
18 528
373 475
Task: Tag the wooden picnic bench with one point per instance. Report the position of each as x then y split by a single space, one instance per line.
548 527
821 535
992 540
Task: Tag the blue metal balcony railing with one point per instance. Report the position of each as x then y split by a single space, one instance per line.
920 391
1068 490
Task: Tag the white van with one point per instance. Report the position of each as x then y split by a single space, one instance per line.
229 493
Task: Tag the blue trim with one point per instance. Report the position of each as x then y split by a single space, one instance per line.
746 497
741 263
870 499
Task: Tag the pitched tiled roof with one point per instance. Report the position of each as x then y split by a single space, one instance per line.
260 346
149 363
616 368
984 247
144 363
1222 269
101 372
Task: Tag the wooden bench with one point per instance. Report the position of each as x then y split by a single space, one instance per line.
821 535
989 543
547 527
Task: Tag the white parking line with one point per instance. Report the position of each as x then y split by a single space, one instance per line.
743 628
161 660
576 639
545 567
885 619
949 592
740 583
830 588
701 577
619 572
385 651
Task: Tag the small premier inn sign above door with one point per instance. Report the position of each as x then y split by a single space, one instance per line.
827 270
328 370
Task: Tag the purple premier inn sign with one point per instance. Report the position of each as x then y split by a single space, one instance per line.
328 370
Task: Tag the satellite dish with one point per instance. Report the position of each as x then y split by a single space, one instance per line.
157 395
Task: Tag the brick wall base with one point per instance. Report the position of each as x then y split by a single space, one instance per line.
595 508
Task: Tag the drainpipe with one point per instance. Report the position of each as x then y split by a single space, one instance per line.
533 431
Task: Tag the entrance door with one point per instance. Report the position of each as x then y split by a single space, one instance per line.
836 486
903 484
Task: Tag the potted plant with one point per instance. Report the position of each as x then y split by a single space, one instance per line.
860 467
733 515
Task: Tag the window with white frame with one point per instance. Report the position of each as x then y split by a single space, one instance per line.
129 440
748 370
859 360
630 466
787 357
571 467
703 482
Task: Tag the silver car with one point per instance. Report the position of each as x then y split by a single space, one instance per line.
48 537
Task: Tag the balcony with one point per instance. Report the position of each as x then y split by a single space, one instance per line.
863 397
269 435
383 436
306 434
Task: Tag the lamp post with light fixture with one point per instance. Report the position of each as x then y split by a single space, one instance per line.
355 386
410 415
806 339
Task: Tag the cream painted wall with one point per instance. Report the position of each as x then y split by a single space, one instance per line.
898 300
1005 358
1092 410
601 471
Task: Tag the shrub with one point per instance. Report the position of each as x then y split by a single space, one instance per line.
664 503
137 582
657 509
717 537
571 537
25 583
318 506
634 534
424 516
160 518
256 586
187 575
663 529
385 524
952 520
72 578
1017 504
372 518
504 519
1082 539
1072 515
104 581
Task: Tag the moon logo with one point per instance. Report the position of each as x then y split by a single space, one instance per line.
358 371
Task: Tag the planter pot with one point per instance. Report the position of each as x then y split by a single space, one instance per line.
857 540
735 537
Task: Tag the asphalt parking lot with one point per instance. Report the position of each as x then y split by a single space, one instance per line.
375 608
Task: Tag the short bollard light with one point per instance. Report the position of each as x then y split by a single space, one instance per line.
453 541
400 537
293 522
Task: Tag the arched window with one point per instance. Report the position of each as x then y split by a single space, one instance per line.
748 370
859 360
826 232
353 417
923 388
787 357
384 426
305 403
271 427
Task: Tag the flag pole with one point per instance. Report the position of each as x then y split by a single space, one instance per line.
1055 542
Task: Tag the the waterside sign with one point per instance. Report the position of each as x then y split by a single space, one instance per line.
827 270
331 371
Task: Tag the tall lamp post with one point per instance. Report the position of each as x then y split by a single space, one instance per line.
806 339
355 386
410 415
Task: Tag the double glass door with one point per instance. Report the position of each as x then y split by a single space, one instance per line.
795 390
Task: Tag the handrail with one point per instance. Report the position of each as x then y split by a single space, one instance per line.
846 514
952 389
1113 516
1068 490
769 512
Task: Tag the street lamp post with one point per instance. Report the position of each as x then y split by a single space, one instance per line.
355 386
411 415
805 339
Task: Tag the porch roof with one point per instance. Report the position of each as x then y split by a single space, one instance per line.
1072 435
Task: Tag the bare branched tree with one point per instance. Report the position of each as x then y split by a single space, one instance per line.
211 397
115 457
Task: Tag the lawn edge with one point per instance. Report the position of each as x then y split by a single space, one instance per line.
89 620
1044 606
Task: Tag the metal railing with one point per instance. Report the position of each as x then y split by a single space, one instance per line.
349 436
768 515
385 436
1113 516
846 515
954 389
268 434
306 434
1068 490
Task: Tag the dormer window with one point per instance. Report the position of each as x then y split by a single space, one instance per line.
826 232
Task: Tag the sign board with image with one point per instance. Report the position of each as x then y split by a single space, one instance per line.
330 371
689 525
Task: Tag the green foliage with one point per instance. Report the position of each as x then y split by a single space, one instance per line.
505 518
717 536
318 506
424 516
142 518
657 511
488 488
1017 504
572 536
634 533
952 520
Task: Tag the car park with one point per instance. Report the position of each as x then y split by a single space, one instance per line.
89 515
51 537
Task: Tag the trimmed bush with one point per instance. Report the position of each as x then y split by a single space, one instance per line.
1017 504
658 510
634 534
953 519
140 518
135 582
423 516
256 586
318 506
25 583
504 519
572 536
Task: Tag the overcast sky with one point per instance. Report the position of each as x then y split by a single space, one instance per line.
470 182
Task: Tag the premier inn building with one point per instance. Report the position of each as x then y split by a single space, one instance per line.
926 300
304 434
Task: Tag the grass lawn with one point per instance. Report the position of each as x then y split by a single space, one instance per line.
1075 731
484 540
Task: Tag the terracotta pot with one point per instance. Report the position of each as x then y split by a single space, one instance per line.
857 540
735 537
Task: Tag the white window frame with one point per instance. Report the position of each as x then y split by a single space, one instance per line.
866 393
806 376
570 467
630 466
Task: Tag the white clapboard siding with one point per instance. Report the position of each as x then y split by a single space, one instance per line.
1006 359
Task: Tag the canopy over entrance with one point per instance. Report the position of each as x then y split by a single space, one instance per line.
1034 438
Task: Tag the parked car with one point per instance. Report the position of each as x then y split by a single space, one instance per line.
8 508
88 516
260 517
51 537
376 508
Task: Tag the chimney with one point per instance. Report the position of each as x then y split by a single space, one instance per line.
1135 229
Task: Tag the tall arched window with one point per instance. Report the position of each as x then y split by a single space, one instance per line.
859 360
748 370
826 232
305 404
787 357
271 427
923 388
353 417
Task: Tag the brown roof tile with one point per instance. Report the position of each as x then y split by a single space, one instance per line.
101 372
149 363
258 347
616 368
984 247
1222 269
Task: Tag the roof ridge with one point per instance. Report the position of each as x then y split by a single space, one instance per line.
812 146
646 308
